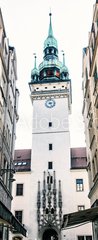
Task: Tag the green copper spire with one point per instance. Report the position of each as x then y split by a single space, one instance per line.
63 59
34 71
50 40
35 62
64 69
50 32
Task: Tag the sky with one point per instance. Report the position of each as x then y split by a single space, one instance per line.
26 24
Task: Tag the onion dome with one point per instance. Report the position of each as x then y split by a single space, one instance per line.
34 72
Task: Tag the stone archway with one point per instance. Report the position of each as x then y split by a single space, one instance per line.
50 234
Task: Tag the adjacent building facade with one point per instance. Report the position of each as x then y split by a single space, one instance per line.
8 117
22 202
90 110
57 181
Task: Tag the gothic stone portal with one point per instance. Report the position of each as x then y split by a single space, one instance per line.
50 234
49 208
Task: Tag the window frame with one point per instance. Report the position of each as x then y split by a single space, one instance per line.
21 215
50 124
81 207
50 165
50 146
79 185
19 190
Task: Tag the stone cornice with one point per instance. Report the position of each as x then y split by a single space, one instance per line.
49 94
48 81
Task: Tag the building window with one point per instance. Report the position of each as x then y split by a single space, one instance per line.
18 215
84 237
50 165
79 185
50 146
50 124
19 189
81 207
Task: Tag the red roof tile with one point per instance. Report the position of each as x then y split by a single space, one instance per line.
78 158
22 154
22 160
78 152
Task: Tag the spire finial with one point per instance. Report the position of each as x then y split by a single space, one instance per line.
50 14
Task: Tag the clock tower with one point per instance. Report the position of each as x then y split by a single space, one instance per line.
50 89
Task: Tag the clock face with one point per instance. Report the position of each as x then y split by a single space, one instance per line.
50 103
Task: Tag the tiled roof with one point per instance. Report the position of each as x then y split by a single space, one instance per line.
22 154
78 152
78 158
22 160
